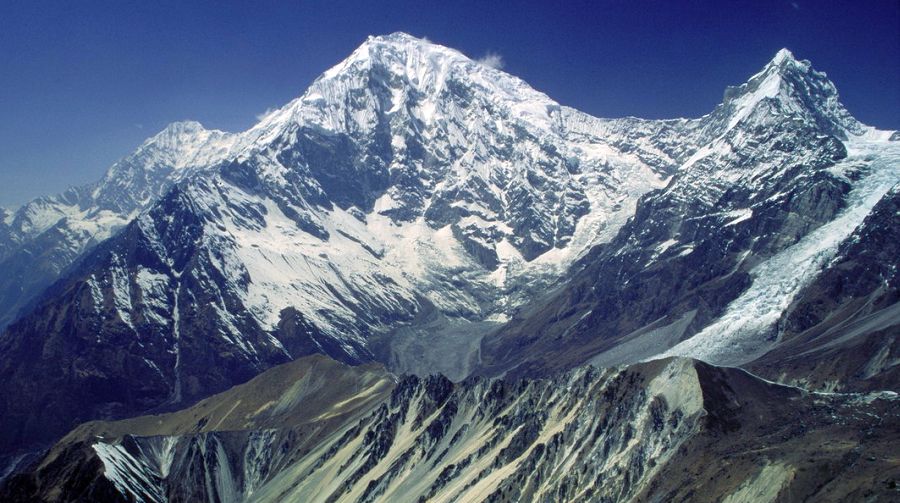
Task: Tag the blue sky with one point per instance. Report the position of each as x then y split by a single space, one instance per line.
83 83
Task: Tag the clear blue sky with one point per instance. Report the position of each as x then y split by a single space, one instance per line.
83 83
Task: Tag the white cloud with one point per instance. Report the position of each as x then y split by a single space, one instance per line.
261 116
492 60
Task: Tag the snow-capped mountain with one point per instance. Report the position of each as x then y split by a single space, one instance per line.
411 201
42 238
409 182
709 266
408 138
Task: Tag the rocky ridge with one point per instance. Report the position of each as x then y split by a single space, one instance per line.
644 433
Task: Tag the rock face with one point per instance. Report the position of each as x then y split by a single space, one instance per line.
291 405
413 201
326 432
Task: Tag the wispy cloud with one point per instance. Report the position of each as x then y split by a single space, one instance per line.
261 116
795 5
492 60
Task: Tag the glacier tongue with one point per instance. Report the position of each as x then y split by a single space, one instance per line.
738 335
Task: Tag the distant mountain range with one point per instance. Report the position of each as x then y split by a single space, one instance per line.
419 210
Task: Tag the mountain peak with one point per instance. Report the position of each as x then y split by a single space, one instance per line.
799 88
397 47
780 67
784 55
785 65
175 133
178 145
405 41
398 37
186 126
399 73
